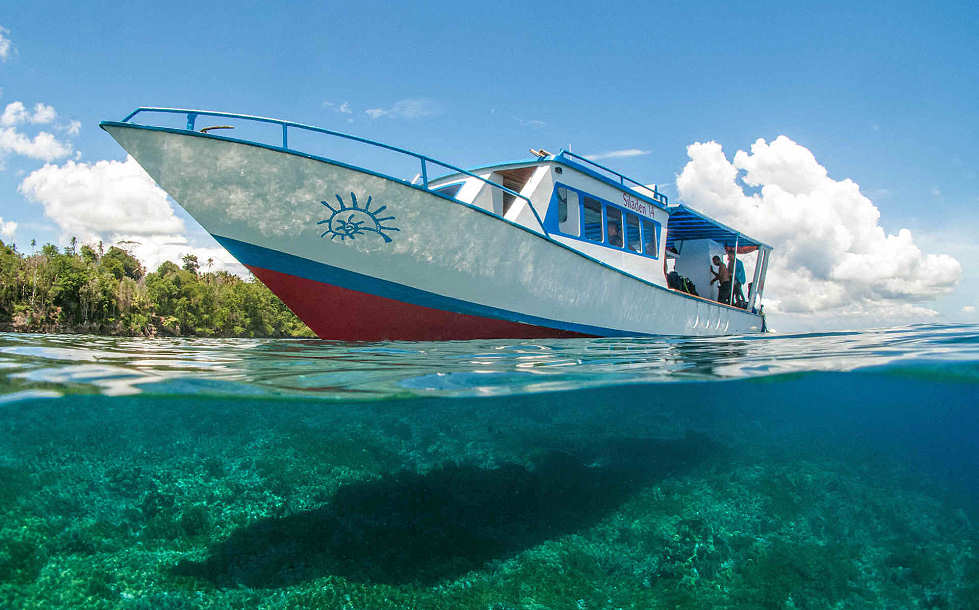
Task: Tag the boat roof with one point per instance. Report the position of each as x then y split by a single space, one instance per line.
687 223
646 192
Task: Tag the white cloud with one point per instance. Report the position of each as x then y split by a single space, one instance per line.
43 146
43 113
117 203
7 228
618 154
831 255
13 114
414 108
6 45
342 108
73 127
89 201
969 309
16 113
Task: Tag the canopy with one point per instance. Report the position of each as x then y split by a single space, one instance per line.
686 223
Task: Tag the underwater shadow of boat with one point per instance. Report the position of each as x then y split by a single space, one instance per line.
425 528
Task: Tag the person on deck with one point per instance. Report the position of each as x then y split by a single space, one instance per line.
737 272
723 278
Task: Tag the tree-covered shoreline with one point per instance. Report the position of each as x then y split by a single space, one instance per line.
109 292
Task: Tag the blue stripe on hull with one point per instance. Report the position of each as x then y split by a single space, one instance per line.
258 256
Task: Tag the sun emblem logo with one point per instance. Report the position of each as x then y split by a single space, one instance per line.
347 222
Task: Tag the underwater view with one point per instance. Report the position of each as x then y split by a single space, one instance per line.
826 470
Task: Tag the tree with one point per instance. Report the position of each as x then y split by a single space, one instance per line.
122 263
191 264
89 255
88 290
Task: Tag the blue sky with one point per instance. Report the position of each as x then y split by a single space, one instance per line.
881 94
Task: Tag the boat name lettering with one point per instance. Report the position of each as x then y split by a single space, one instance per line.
634 204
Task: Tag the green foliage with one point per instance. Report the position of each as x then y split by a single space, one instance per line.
191 264
125 263
87 290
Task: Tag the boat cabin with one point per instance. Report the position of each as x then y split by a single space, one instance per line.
615 221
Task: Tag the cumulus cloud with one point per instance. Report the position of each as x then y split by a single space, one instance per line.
15 113
43 113
116 203
618 154
414 108
88 200
831 254
43 146
6 45
7 228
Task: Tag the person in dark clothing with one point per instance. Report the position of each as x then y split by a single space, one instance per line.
723 278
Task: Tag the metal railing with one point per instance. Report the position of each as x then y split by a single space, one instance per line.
623 179
424 160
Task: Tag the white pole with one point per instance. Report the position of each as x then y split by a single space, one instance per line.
734 270
764 271
754 280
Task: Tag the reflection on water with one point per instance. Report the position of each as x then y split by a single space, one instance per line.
117 366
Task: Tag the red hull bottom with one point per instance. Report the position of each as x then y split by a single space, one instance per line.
338 313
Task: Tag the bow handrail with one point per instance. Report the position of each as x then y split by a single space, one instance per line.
192 116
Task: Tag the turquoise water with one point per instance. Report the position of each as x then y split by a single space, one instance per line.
802 471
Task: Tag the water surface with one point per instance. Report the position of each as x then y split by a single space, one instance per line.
809 471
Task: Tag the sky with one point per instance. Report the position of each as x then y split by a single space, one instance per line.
843 134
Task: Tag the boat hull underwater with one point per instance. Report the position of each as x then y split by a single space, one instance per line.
360 256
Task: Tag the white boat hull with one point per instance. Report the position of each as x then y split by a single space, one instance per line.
360 256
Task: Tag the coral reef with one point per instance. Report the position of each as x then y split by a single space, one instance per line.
549 501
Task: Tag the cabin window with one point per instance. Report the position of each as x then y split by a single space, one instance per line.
567 211
614 220
592 219
632 232
650 238
576 214
451 190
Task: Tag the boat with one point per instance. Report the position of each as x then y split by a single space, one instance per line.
555 245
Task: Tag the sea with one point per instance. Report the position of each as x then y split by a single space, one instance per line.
819 470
